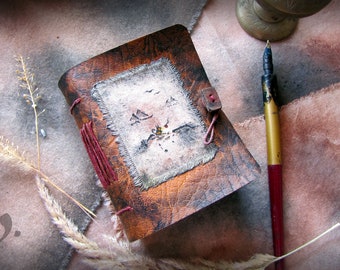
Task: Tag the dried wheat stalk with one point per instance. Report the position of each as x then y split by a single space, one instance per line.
26 79
11 154
120 257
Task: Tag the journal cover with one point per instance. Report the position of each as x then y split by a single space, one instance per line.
154 131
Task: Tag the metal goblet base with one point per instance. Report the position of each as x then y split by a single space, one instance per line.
260 29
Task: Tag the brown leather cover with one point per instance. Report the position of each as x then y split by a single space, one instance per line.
157 207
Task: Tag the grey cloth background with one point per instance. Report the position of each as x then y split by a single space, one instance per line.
56 35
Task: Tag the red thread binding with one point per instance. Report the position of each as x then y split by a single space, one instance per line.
98 158
210 130
123 210
75 102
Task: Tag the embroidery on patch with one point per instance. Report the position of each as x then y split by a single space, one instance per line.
159 131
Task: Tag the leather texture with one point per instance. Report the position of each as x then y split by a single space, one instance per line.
160 206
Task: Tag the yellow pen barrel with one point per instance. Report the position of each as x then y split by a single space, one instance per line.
271 114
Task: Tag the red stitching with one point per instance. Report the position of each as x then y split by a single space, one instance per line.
210 130
100 162
75 102
123 210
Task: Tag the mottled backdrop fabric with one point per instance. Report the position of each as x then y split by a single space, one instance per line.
56 35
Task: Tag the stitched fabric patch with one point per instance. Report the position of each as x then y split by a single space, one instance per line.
160 133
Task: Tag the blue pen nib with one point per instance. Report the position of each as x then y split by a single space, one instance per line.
268 67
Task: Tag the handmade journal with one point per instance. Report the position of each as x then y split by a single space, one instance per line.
155 132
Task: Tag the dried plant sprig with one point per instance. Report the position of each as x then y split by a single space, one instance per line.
119 255
10 152
257 262
71 233
27 83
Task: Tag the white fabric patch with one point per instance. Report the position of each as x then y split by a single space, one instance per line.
160 133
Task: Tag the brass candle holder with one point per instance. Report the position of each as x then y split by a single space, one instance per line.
274 19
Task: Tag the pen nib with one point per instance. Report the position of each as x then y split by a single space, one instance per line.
267 60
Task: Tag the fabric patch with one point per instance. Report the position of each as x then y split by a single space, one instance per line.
159 131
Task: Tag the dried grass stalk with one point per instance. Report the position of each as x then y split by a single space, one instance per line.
11 154
119 256
66 226
27 83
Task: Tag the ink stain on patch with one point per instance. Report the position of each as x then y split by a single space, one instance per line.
160 132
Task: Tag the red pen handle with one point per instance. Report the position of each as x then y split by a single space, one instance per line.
275 190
